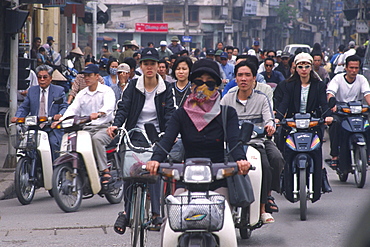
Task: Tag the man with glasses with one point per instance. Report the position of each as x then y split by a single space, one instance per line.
97 101
272 77
231 59
39 102
270 54
284 67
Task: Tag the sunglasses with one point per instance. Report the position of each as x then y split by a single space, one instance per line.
208 83
43 76
303 67
121 72
269 65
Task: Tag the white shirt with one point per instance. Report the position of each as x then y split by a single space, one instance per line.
87 102
346 92
149 112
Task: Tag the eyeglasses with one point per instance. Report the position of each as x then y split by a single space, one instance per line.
43 76
120 72
303 67
208 83
271 56
269 65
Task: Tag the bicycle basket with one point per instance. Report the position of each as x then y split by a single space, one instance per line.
196 212
133 159
25 140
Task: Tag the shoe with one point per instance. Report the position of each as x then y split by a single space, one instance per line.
333 164
121 223
325 186
267 218
156 224
271 206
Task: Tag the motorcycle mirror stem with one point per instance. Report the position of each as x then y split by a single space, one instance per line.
154 138
332 102
245 135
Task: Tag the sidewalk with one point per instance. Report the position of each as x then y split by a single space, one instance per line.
6 174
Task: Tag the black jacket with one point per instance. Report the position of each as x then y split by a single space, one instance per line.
316 102
133 99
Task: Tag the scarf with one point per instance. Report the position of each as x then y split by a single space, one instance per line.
201 108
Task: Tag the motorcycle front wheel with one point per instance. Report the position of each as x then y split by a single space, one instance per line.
302 194
360 166
24 187
67 193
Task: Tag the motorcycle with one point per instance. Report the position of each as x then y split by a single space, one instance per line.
198 217
302 178
34 168
248 219
76 176
355 122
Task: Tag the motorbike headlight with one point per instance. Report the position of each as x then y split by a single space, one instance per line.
356 109
31 121
197 174
302 123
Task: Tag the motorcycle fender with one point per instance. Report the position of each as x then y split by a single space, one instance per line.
358 139
301 161
46 160
254 157
85 148
226 235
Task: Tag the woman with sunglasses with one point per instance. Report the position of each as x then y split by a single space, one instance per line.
305 93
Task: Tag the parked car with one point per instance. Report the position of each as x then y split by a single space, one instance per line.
293 47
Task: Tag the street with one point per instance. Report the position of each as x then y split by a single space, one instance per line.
329 221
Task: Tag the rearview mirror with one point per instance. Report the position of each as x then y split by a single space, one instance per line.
246 132
70 64
332 102
152 133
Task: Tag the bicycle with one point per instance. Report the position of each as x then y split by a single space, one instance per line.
133 159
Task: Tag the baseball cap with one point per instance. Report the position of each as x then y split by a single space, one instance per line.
91 68
278 53
123 67
251 52
285 54
218 53
114 46
223 55
149 54
175 38
50 38
256 43
303 57
163 43
210 52
206 66
352 44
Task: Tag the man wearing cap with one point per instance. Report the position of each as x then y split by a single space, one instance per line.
39 102
227 67
49 50
97 101
128 52
123 72
257 50
284 67
105 52
175 47
342 59
215 56
115 52
148 99
278 56
163 51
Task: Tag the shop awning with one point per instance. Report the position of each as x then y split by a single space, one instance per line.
105 38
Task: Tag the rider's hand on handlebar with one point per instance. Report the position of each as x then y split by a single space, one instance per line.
329 120
243 166
54 124
152 167
334 109
270 130
13 119
111 131
57 117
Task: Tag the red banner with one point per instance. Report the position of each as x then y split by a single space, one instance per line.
151 27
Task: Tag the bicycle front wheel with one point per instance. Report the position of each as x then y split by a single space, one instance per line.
136 224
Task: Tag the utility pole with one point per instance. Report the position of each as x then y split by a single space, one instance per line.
94 25
186 19
10 161
230 21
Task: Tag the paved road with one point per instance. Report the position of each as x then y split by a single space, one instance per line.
43 223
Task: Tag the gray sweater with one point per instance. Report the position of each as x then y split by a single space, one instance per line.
257 109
